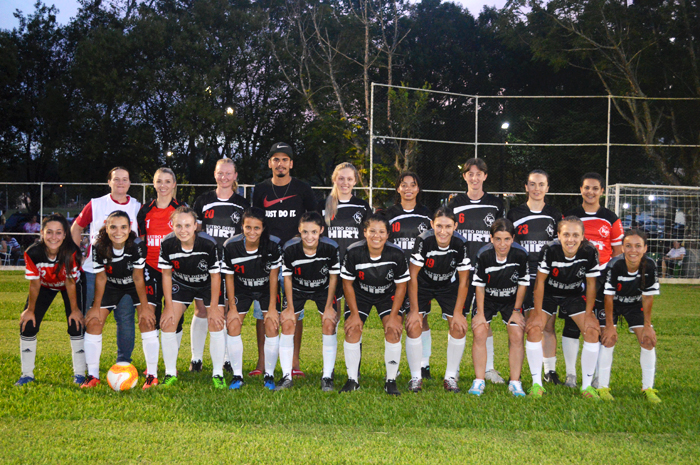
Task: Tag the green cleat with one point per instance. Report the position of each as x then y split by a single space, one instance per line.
651 395
605 394
536 391
590 393
219 382
169 381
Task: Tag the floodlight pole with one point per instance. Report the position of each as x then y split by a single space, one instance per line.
371 144
607 153
476 128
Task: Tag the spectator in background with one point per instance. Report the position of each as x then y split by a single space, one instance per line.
32 226
9 245
672 258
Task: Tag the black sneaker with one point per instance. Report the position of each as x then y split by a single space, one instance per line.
284 383
228 367
390 388
196 365
552 377
327 384
350 385
425 373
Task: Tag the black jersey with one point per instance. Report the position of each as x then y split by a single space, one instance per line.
566 276
407 225
250 272
474 219
283 205
120 271
346 226
190 268
500 280
220 218
534 229
627 287
310 273
438 265
374 278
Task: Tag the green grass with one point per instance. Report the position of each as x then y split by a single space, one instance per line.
53 421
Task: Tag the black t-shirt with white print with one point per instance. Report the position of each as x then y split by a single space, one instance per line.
190 268
500 279
346 226
439 266
407 225
250 272
534 229
283 205
378 277
120 270
567 276
220 218
310 273
474 219
626 286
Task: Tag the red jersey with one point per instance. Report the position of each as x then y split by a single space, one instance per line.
39 266
603 229
154 224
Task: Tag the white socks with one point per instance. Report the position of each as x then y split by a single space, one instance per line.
569 346
93 350
179 339
605 359
427 348
170 348
455 350
330 352
217 346
414 354
78 351
272 345
286 354
151 351
647 359
392 358
234 347
27 352
489 353
535 356
198 336
550 364
589 358
353 353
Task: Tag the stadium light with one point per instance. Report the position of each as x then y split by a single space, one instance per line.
229 110
625 205
652 198
168 153
505 125
201 161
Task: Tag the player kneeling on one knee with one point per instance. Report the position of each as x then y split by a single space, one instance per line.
119 258
501 278
566 279
374 274
439 270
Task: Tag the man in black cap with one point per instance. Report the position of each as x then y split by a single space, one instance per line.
284 199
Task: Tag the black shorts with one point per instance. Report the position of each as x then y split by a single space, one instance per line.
600 284
112 296
185 294
491 309
300 298
222 294
446 298
633 315
382 303
529 300
568 306
245 299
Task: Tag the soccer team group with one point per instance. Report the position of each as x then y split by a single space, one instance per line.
227 257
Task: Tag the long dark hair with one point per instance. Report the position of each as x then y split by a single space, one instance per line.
399 180
643 262
67 248
103 245
259 214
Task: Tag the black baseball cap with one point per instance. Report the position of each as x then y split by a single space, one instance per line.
281 147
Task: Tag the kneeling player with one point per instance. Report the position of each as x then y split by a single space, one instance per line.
251 263
501 278
310 269
374 273
566 279
439 270
118 260
191 269
630 286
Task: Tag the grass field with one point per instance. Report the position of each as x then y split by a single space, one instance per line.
54 421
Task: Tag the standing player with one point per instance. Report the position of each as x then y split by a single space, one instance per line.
219 214
374 274
439 270
94 215
631 283
535 225
408 218
284 199
476 211
190 265
603 229
501 278
566 276
52 266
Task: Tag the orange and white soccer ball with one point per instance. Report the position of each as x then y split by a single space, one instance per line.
122 376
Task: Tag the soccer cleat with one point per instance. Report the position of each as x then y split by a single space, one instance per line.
350 385
390 388
425 372
327 384
90 382
150 382
571 381
269 382
651 395
594 382
169 381
415 385
590 393
450 385
228 367
219 382
24 380
516 388
494 377
284 383
552 377
604 394
236 383
255 372
477 387
298 374
536 391
196 365
78 379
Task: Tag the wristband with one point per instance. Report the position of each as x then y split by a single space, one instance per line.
519 310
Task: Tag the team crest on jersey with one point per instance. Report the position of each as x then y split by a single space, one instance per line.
581 273
514 277
422 228
324 270
202 265
453 263
130 266
489 219
357 217
601 314
235 217
604 231
550 231
170 225
176 288
268 267
390 275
